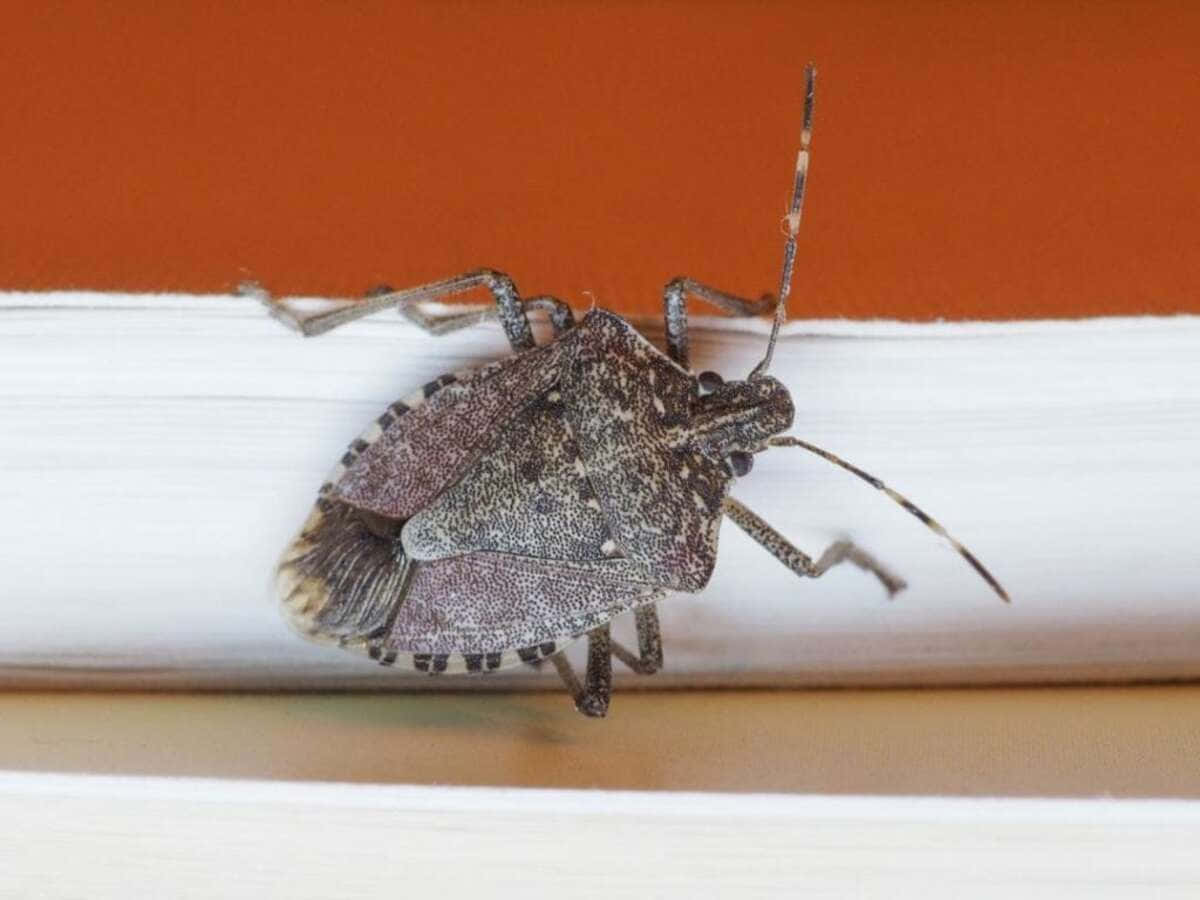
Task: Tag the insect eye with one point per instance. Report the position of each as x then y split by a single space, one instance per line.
710 381
741 462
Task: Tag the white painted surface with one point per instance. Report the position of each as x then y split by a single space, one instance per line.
158 452
100 837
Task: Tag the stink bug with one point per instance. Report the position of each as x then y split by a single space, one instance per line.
497 515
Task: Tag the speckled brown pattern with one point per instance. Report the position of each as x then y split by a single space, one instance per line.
523 504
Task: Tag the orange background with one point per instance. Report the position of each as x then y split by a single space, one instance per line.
969 160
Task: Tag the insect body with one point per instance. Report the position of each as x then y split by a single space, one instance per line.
497 515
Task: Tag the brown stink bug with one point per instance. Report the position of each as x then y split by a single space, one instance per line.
497 515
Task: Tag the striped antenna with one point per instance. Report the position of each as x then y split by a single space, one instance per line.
933 525
791 221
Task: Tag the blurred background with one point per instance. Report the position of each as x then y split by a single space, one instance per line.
974 160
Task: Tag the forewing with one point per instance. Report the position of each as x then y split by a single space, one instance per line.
420 451
492 602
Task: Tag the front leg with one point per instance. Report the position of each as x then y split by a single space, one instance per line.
675 296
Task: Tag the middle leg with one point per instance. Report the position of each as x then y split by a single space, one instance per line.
593 694
649 658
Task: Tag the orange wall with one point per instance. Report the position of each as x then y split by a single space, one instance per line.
970 160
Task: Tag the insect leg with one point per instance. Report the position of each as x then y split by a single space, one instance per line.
593 694
649 658
798 561
561 317
675 311
509 308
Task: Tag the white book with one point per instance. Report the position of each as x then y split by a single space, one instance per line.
103 837
160 451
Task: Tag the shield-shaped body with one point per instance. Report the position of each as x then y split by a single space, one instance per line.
502 512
